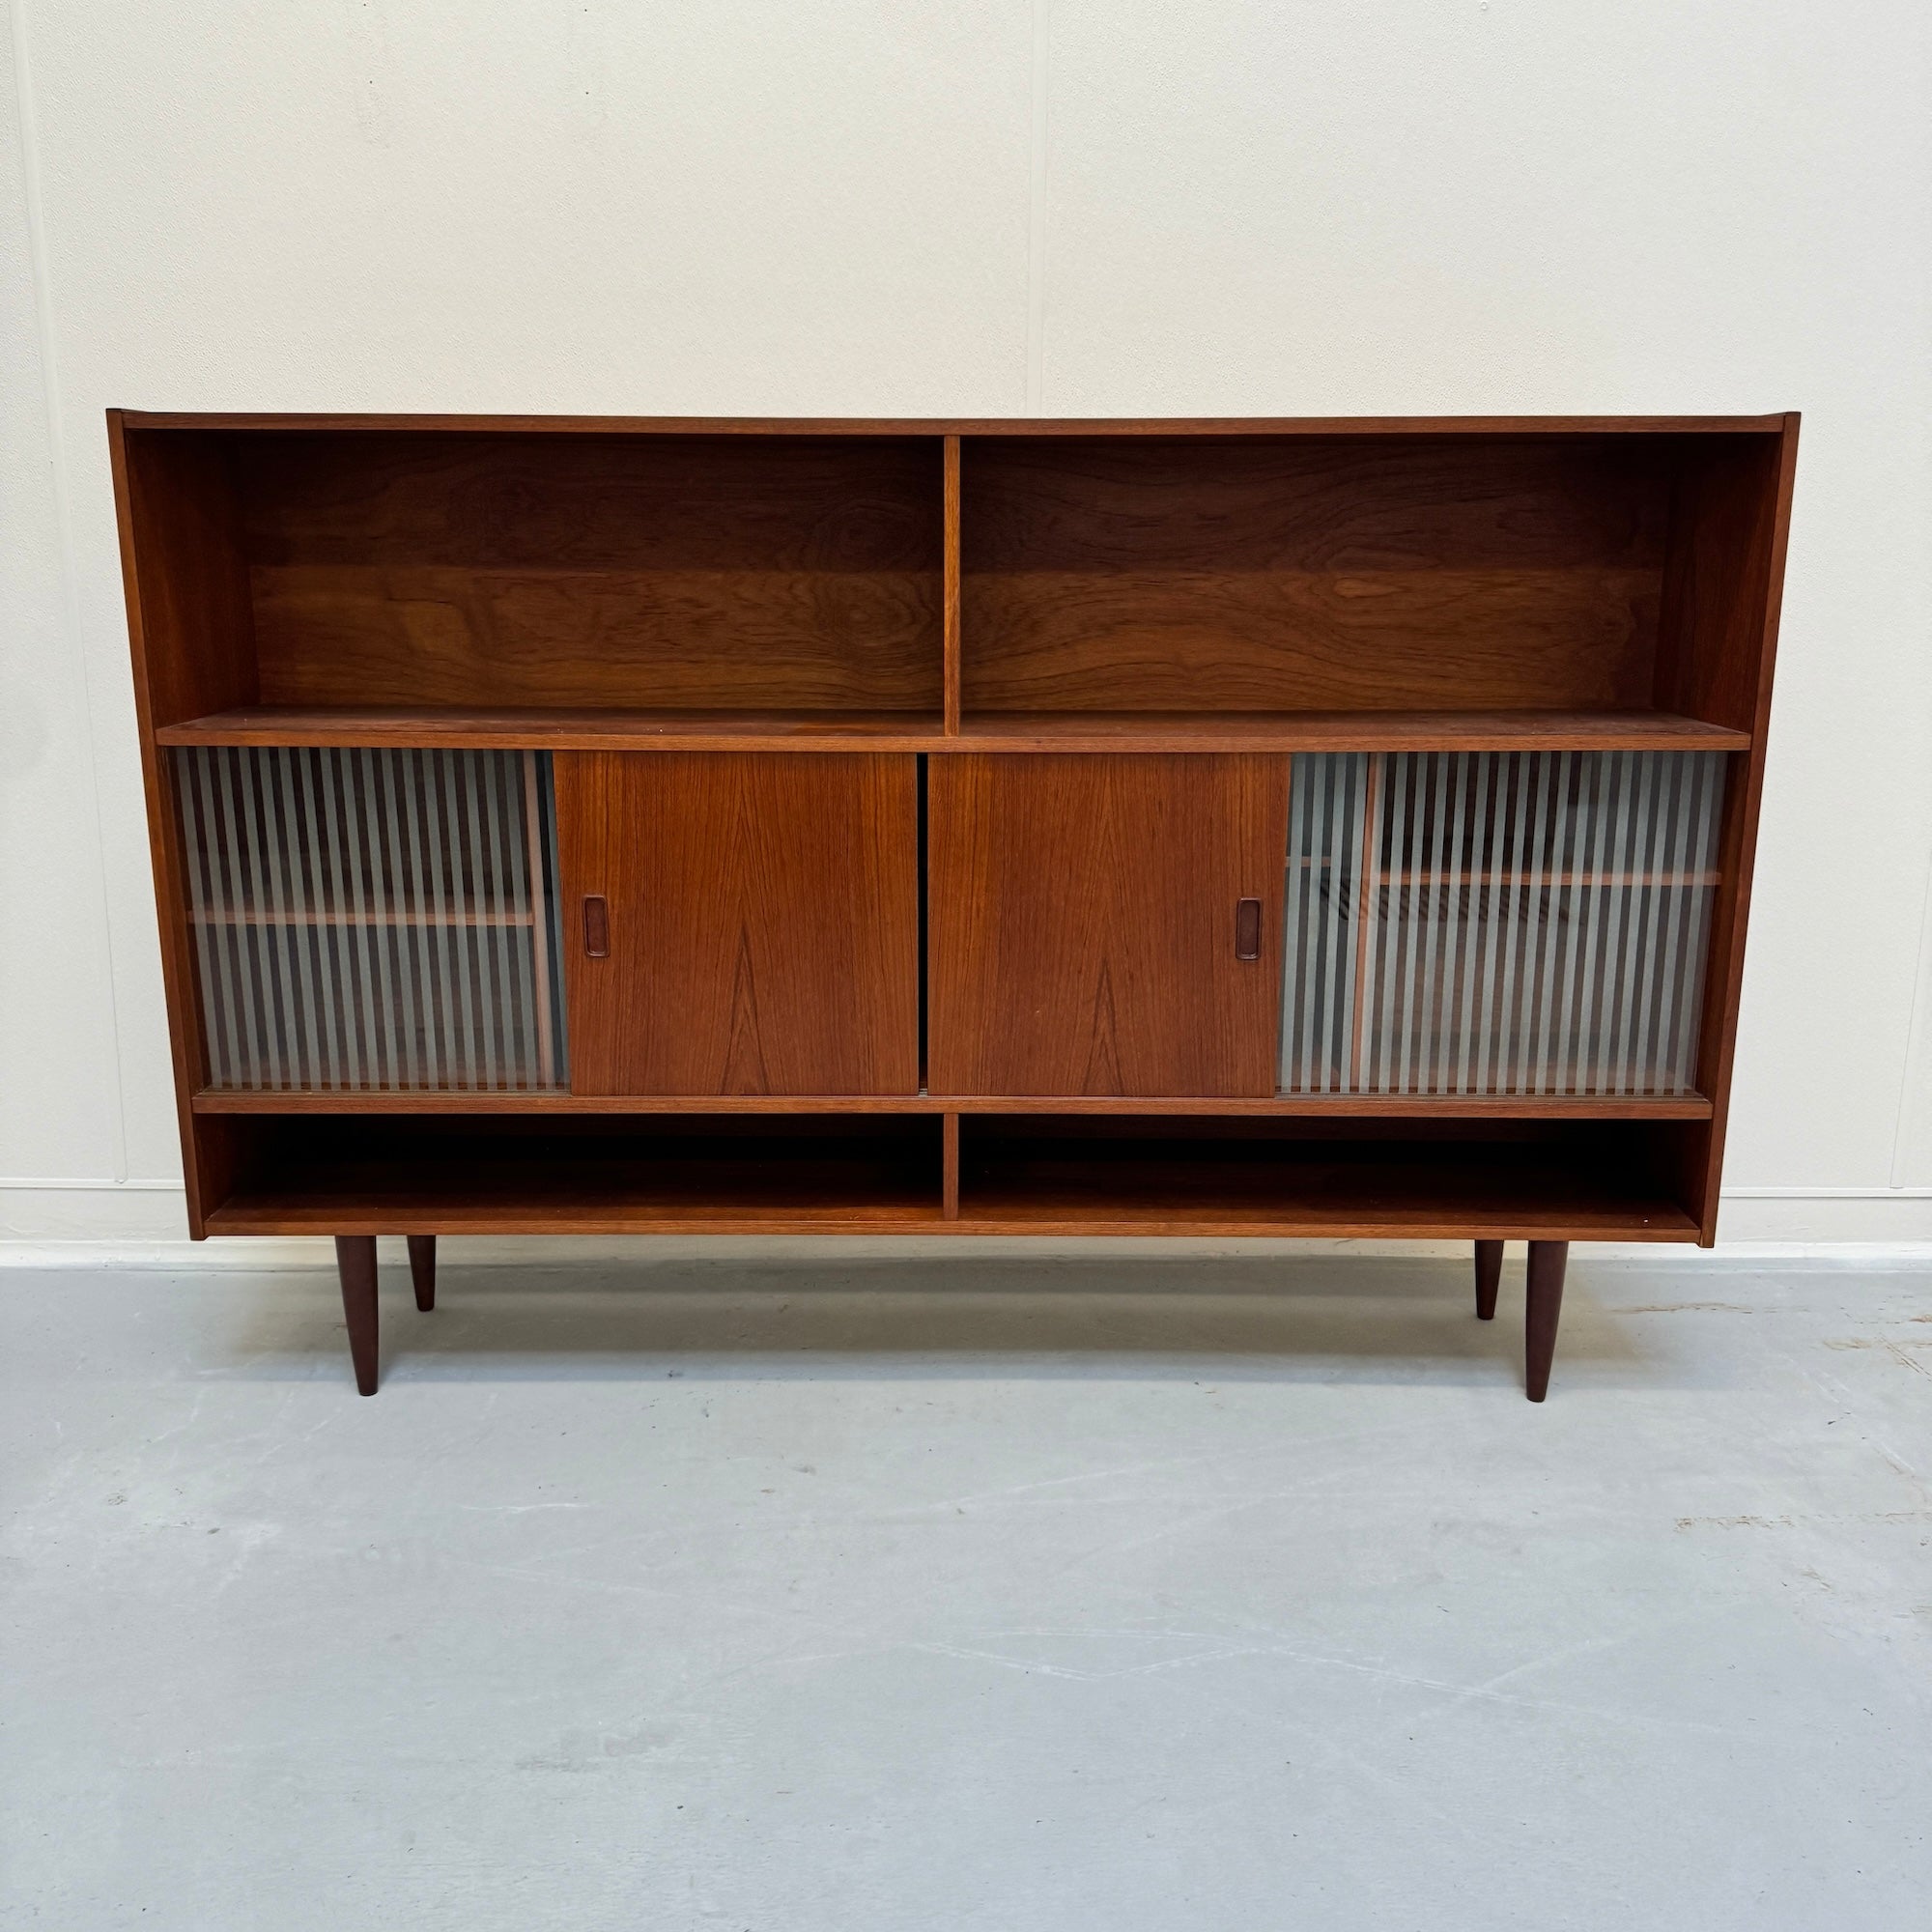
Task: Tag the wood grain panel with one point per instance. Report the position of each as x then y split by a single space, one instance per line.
1409 1204
1290 1106
186 577
1723 598
541 727
1725 526
1404 573
952 584
763 923
1081 923
191 638
263 422
1009 732
434 636
1524 730
793 573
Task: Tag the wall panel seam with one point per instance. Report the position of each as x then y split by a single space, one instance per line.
1036 207
1915 1068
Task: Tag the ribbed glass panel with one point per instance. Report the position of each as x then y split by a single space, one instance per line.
373 918
1497 923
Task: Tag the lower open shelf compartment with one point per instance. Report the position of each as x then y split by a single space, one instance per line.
481 1173
1555 1179
1031 1173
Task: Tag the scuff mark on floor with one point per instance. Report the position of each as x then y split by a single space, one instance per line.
1690 1308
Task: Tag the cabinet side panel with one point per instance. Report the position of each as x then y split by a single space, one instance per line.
759 931
192 650
187 576
1721 602
1728 516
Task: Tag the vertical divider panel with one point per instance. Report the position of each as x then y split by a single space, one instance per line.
921 769
531 867
950 603
949 1166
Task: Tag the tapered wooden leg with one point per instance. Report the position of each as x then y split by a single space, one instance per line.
422 1270
1489 1272
1547 1260
355 1263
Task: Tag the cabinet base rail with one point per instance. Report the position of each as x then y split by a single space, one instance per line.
356 1263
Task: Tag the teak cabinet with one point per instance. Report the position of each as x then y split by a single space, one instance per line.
1329 828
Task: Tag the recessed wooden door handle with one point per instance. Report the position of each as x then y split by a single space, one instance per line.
596 927
1247 928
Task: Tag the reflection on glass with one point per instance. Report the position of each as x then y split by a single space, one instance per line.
1498 923
372 919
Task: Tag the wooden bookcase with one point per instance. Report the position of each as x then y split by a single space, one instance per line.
1325 828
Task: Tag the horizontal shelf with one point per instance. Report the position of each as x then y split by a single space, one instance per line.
1441 1200
1584 879
1349 731
919 731
1286 1106
561 730
416 919
1347 866
1392 1218
447 1204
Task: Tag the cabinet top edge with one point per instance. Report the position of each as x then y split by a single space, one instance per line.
989 426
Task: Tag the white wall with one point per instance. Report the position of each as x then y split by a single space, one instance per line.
988 207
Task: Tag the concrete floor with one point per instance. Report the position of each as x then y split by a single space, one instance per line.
1102 1593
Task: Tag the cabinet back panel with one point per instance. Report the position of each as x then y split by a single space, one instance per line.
1299 574
749 573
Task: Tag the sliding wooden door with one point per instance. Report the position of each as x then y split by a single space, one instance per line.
1105 925
740 923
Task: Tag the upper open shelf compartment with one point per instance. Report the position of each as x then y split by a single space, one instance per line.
422 574
1391 587
1361 577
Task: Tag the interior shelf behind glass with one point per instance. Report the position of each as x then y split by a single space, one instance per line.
1500 922
373 919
